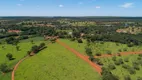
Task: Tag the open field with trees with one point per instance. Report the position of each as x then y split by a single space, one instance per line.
55 63
16 52
124 66
86 48
99 47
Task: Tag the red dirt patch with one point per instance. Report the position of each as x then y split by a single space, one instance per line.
94 65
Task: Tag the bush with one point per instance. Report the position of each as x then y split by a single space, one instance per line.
120 50
117 63
126 59
98 54
91 58
119 54
80 41
125 49
109 52
139 58
72 39
125 66
139 78
88 51
9 56
4 68
140 55
127 78
114 58
107 75
136 67
121 61
111 66
131 70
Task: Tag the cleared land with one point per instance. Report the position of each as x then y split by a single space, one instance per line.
55 63
24 45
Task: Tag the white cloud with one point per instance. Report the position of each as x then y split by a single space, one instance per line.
61 5
127 5
98 7
19 5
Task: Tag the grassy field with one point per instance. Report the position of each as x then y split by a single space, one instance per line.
101 47
120 71
55 63
25 46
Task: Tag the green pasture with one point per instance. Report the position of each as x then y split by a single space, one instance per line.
25 45
120 71
101 47
55 63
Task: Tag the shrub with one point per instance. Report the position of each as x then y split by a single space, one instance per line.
119 54
139 58
72 39
114 58
139 78
136 67
140 55
80 41
4 68
121 61
126 59
125 49
131 70
9 56
98 54
111 66
88 51
117 63
91 58
127 78
125 66
109 52
120 50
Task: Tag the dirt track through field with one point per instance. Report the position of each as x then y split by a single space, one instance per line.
16 66
94 65
121 53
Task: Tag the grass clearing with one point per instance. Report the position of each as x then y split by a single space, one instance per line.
55 63
25 45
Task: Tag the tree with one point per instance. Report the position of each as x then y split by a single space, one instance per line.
42 45
107 75
126 59
111 66
127 77
139 78
17 48
80 41
108 52
4 68
98 54
131 70
88 51
9 56
35 48
114 58
53 40
32 41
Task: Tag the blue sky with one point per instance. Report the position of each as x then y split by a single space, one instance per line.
70 7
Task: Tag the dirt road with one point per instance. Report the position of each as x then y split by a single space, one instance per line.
94 65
